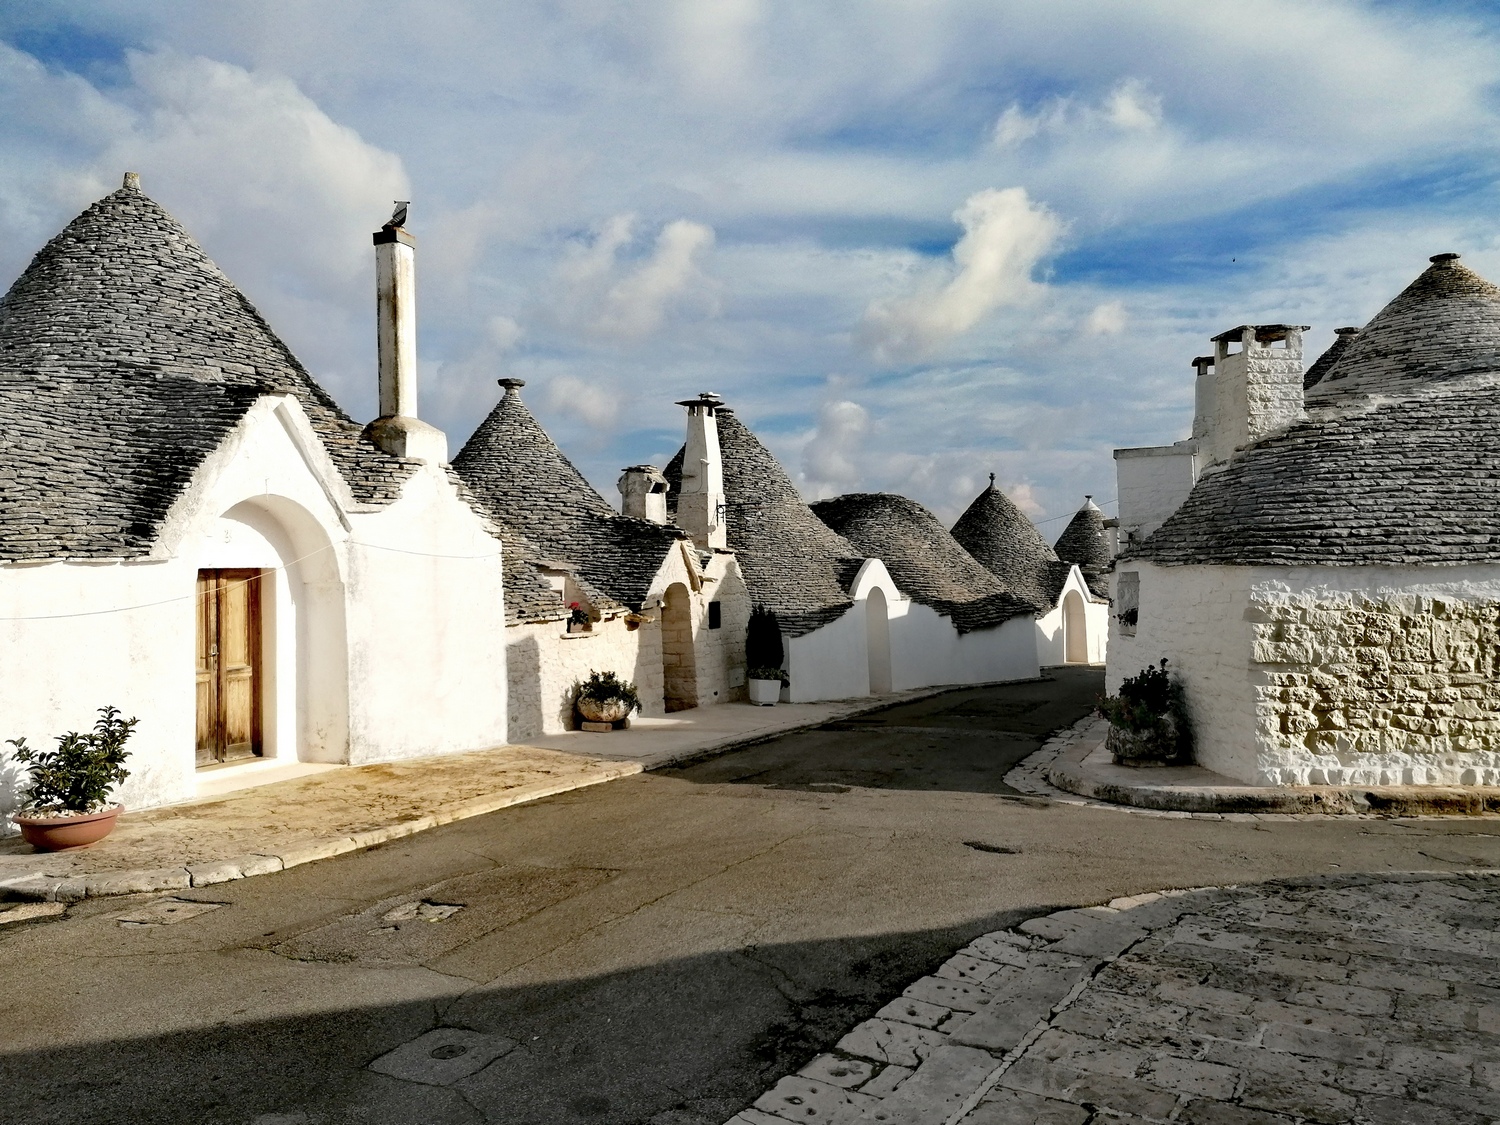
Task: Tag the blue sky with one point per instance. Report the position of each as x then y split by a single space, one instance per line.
912 243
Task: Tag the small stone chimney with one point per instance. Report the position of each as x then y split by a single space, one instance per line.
398 430
700 504
1255 388
643 493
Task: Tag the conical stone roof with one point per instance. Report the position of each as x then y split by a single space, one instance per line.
1444 325
1082 543
1325 363
522 480
926 562
126 357
999 535
792 561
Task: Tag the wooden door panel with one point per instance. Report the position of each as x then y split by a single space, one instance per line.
206 669
229 640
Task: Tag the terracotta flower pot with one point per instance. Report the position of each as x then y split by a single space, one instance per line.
603 711
74 830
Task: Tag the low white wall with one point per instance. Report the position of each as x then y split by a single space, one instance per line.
545 662
926 650
831 662
1194 616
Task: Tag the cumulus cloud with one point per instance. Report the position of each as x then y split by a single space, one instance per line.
595 403
831 458
627 301
1005 235
1107 319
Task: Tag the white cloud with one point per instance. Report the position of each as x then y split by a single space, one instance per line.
830 459
628 302
595 403
1128 107
1108 319
1005 235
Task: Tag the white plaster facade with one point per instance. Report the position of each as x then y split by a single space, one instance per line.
912 643
1288 683
382 626
1153 482
545 661
1076 629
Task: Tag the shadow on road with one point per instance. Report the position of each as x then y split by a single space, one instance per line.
964 740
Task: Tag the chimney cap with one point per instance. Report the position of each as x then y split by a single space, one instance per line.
710 399
512 386
132 181
1443 259
1346 331
1202 361
640 469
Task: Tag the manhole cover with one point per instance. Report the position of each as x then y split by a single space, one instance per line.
448 1051
443 1056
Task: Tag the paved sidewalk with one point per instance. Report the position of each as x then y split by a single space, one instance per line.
272 827
1369 1000
1079 764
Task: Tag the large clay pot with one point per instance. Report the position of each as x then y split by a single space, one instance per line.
76 830
764 693
605 711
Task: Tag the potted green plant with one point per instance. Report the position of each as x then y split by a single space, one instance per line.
1148 720
66 798
764 657
605 698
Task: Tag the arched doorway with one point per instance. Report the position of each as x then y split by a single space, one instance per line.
1075 630
678 662
303 697
878 641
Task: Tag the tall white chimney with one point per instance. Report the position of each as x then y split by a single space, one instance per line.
1255 388
398 430
700 504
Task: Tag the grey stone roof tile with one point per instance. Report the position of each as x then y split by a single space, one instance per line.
926 562
126 357
523 481
999 535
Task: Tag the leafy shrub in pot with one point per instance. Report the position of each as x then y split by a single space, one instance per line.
1148 720
66 799
605 698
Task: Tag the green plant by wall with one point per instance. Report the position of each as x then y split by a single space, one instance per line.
78 776
606 687
764 652
1148 719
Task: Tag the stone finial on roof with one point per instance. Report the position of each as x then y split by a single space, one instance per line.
512 386
1444 260
992 480
132 181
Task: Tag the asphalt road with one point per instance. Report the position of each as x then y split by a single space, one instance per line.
659 949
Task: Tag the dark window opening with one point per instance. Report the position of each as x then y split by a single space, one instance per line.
715 615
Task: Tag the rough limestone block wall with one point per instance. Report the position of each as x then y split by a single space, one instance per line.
720 653
1397 683
545 662
1195 617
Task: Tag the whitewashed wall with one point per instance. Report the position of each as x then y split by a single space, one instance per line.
1049 626
1195 617
1152 483
369 653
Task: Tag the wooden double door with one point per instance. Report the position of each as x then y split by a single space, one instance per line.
229 665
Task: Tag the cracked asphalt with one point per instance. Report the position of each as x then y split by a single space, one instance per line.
660 949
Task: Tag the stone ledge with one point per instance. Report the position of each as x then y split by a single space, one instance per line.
1084 768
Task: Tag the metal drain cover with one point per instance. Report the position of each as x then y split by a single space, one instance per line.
442 1056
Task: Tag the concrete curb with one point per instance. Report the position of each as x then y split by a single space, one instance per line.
932 1055
1070 772
51 888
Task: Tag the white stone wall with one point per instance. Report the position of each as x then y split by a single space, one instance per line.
1049 626
1253 392
383 630
1195 617
1378 675
1152 482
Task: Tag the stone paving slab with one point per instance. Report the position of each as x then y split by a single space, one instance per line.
1076 764
1337 1000
269 828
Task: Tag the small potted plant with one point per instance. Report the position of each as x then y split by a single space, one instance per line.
1148 720
605 698
764 656
579 620
66 797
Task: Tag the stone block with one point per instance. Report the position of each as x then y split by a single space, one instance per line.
1017 1008
948 1077
801 1099
1020 1107
890 1042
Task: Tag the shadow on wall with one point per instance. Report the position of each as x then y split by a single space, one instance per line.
523 674
704 1035
12 774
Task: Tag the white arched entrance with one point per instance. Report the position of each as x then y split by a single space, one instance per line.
878 641
1075 629
300 681
679 663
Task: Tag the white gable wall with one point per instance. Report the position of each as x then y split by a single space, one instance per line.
1050 639
364 658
